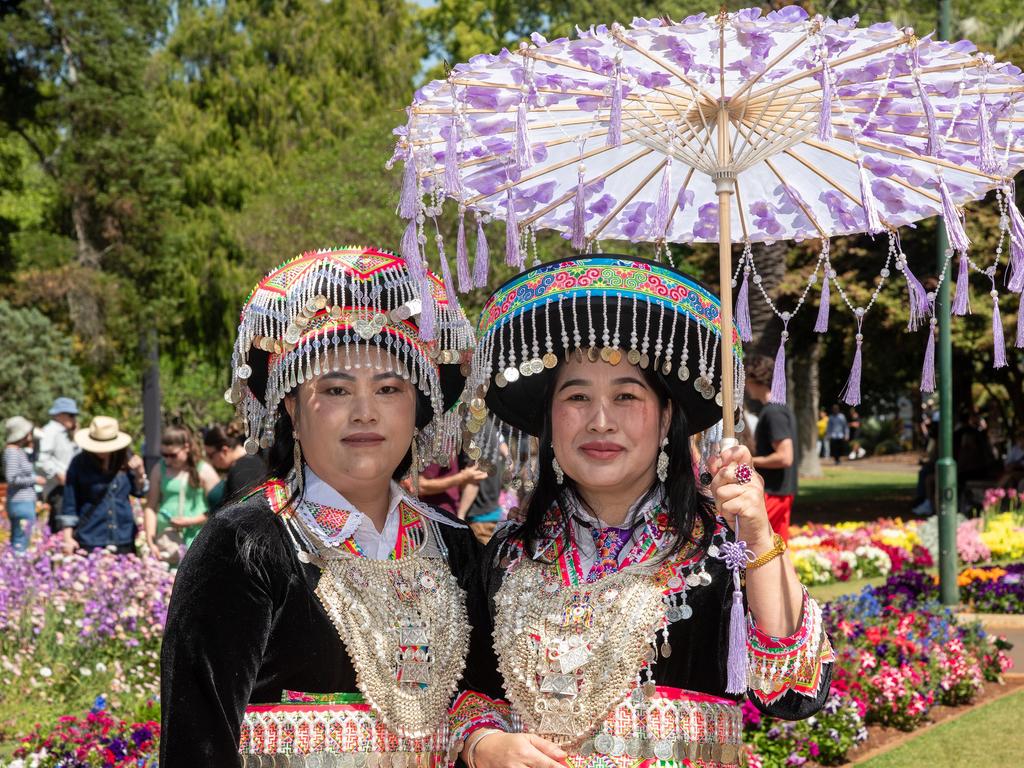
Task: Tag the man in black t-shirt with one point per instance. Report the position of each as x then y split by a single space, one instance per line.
774 446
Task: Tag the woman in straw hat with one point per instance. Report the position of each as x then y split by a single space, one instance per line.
21 480
100 484
325 620
619 612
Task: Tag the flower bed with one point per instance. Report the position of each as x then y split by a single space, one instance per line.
97 740
824 554
899 654
72 626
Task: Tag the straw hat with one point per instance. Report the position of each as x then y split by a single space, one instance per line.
17 428
103 435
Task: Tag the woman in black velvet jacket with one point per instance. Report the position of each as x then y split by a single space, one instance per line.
328 616
618 608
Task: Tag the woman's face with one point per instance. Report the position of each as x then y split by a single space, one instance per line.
174 456
607 426
219 458
355 425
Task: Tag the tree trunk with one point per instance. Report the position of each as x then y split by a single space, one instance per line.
804 397
83 302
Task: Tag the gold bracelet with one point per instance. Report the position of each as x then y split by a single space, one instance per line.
779 546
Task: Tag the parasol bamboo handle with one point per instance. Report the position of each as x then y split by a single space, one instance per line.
725 180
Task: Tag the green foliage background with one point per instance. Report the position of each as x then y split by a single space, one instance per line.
158 156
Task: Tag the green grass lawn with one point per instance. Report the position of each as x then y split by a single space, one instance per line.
839 483
987 737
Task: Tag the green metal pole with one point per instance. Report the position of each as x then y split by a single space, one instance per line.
945 469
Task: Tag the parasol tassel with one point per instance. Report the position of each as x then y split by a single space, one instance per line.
615 114
452 178
736 667
411 249
462 256
449 284
954 220
409 201
962 297
998 342
483 256
932 147
867 198
825 117
661 211
1019 341
524 153
851 393
743 311
579 213
426 320
928 369
919 306
513 256
1016 282
986 152
821 324
778 392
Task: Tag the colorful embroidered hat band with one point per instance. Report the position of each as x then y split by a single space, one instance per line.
612 308
346 308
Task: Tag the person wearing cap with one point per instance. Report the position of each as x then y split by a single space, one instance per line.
56 450
618 604
330 618
101 482
21 481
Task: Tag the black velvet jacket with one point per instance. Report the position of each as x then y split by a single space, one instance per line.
699 644
244 625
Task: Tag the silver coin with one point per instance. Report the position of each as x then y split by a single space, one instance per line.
674 583
511 374
685 611
633 748
663 749
537 365
705 578
692 580
673 614
713 550
603 743
244 371
619 747
683 373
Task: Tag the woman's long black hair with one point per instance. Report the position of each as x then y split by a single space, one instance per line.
685 504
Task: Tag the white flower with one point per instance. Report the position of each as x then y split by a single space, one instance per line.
84 671
45 672
101 667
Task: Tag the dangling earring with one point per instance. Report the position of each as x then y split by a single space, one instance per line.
559 474
663 461
299 473
414 468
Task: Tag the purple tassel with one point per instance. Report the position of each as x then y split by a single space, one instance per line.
579 214
867 198
462 257
615 114
1019 342
998 342
929 117
736 682
821 325
409 201
778 392
483 256
825 118
919 305
664 202
524 152
1016 282
928 369
452 178
427 310
513 256
449 284
954 220
962 297
411 250
851 394
743 311
986 152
